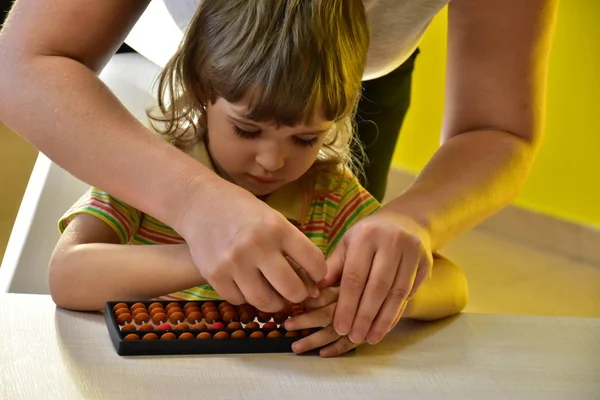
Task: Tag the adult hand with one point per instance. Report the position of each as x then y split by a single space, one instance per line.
320 314
250 253
382 260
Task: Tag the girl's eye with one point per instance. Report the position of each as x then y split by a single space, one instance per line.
306 142
247 134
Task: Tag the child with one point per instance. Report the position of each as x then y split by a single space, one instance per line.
261 92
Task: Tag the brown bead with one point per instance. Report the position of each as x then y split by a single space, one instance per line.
142 318
230 310
124 318
122 311
173 310
239 334
292 334
297 310
139 311
182 327
118 306
191 310
190 304
154 306
132 336
306 332
157 310
138 305
221 335
207 310
224 304
150 336
257 335
204 336
168 336
264 316
297 307
207 304
234 325
147 327
247 307
194 316
212 316
159 317
230 316
280 318
176 317
172 304
246 317
128 327
201 326
186 336
274 334
252 325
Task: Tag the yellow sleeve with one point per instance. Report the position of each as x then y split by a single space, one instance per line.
121 217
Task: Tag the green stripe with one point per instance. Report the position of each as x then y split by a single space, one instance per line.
329 203
316 235
140 239
351 191
315 214
154 222
350 220
195 294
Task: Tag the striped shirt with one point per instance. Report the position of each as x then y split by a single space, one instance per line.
323 205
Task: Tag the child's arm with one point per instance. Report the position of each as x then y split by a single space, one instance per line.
90 267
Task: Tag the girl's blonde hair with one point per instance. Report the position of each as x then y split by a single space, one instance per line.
290 56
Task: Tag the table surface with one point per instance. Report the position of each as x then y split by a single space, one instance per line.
47 352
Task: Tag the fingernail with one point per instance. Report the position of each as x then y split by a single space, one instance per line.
316 293
342 329
374 338
355 338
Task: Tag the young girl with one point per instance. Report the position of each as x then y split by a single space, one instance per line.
263 94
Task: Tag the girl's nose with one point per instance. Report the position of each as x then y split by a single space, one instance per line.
271 158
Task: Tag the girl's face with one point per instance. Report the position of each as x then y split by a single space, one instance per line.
261 157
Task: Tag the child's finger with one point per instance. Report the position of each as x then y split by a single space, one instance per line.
318 339
312 319
339 347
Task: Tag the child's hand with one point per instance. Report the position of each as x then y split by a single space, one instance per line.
320 314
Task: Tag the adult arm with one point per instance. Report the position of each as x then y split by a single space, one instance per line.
50 55
498 52
50 94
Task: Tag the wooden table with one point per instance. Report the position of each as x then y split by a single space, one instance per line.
50 353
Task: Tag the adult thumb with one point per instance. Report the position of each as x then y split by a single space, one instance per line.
335 266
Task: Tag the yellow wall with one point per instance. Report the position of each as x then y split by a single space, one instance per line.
565 181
